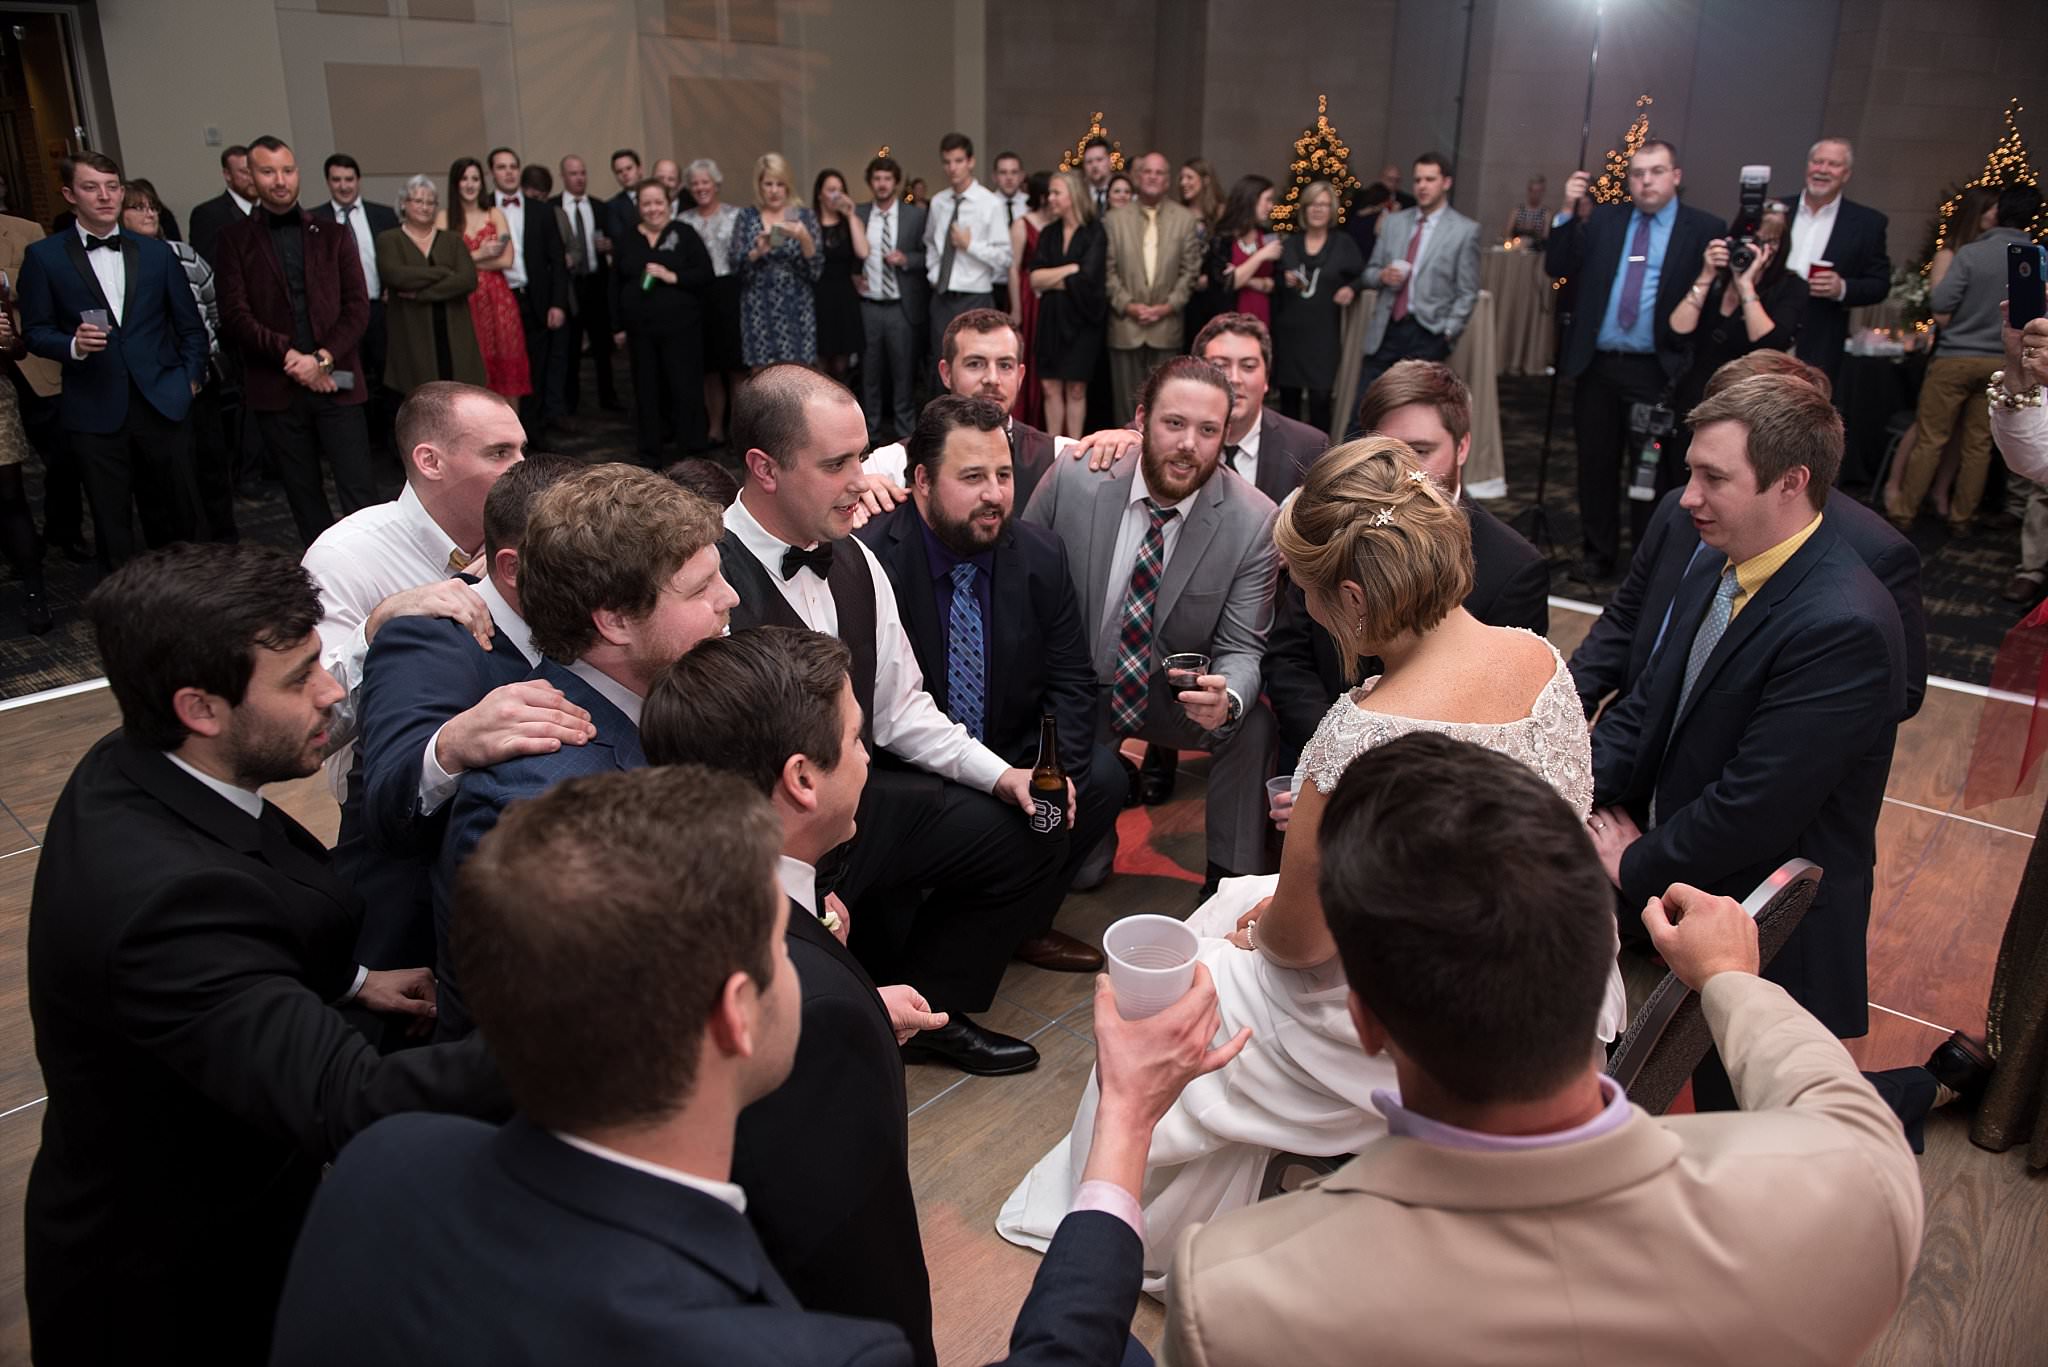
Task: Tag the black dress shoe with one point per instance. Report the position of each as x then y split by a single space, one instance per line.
972 1049
1133 785
1156 775
36 612
1961 1064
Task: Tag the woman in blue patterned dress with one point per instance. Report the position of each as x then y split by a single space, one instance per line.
775 250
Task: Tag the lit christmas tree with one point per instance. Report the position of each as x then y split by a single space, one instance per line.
1319 154
1612 185
2007 164
1071 159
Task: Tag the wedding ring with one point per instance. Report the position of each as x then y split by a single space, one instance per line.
1596 823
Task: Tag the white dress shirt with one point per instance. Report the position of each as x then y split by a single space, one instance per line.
724 1191
250 803
987 253
111 272
247 206
610 689
1247 465
515 219
1811 229
884 225
906 721
1019 204
799 882
356 564
366 247
437 784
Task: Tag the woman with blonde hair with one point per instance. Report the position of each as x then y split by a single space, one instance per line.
1385 559
775 250
1068 274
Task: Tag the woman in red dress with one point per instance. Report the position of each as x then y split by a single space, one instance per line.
1024 229
491 305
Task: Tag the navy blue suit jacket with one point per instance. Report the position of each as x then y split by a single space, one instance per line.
159 343
420 672
1782 751
485 794
1591 250
1612 656
1038 648
570 1258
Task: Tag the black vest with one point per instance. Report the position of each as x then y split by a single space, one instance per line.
853 593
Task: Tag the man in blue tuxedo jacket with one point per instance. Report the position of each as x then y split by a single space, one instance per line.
630 960
127 387
1762 728
618 577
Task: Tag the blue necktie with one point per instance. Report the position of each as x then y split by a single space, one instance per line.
965 653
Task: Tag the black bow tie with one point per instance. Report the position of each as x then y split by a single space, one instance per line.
818 557
111 242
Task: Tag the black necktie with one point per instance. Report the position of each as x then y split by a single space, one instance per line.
818 557
111 243
1230 455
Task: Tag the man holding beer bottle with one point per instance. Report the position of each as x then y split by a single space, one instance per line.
995 621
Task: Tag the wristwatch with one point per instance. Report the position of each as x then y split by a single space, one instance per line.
326 363
1232 708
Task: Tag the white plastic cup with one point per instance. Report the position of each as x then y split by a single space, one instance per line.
1151 963
1401 267
1277 788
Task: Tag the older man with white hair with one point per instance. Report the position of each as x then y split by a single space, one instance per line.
1838 247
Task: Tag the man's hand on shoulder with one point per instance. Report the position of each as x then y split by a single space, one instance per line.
450 598
1104 448
525 718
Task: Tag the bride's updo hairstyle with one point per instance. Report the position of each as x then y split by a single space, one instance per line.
1367 513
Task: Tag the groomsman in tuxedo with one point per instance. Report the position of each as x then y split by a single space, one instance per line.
622 210
618 576
1762 730
364 220
589 224
895 300
996 626
947 876
774 706
633 978
1425 405
188 948
128 385
1174 555
292 297
233 204
539 279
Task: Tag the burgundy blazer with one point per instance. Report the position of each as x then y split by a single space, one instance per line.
256 305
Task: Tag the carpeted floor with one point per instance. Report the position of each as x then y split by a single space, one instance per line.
1965 617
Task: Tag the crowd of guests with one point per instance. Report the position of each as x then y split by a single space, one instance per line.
676 819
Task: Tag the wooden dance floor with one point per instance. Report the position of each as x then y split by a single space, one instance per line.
1945 881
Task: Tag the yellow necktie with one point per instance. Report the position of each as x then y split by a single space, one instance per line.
1151 250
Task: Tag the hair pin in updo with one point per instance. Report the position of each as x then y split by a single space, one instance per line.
1419 476
1384 517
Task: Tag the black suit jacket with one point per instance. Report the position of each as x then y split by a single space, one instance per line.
1612 656
1304 674
1286 449
1038 655
207 221
1782 751
1857 250
381 216
182 956
1590 250
621 216
825 1157
545 257
566 1257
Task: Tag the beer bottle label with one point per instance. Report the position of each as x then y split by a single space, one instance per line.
1046 815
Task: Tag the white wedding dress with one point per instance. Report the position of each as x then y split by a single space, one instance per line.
1303 1084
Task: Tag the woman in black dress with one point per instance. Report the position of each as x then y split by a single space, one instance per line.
845 244
1067 274
659 275
1319 270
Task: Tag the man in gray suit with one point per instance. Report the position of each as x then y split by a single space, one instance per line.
895 298
1426 263
1174 554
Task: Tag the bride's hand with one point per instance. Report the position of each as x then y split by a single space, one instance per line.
1243 937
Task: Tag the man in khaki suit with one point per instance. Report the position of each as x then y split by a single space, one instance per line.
1520 1209
1154 257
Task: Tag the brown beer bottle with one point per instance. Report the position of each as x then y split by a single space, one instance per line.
1048 781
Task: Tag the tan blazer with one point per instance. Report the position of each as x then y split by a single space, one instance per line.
1177 262
45 377
1781 1234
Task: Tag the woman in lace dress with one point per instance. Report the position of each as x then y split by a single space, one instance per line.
1385 559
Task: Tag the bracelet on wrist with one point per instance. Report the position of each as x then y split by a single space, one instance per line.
2001 397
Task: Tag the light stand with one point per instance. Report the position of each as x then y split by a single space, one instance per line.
1536 520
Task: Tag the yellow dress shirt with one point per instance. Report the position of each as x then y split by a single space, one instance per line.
1753 573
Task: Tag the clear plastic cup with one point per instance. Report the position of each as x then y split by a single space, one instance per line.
1151 963
1277 788
1183 670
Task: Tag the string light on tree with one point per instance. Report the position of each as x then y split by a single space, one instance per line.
2006 165
1319 154
1612 185
1071 159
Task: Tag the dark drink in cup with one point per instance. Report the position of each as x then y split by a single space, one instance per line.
1183 672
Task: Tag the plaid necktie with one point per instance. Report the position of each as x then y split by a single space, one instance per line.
965 655
1712 628
1131 680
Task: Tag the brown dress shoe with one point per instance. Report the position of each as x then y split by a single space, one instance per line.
1060 952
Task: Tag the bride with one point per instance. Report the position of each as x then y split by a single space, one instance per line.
1385 560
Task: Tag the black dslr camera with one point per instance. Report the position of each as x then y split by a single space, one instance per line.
1749 215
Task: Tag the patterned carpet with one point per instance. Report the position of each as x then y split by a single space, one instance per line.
1966 619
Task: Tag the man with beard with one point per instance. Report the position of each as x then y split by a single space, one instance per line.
1174 555
618 577
996 625
188 946
946 876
